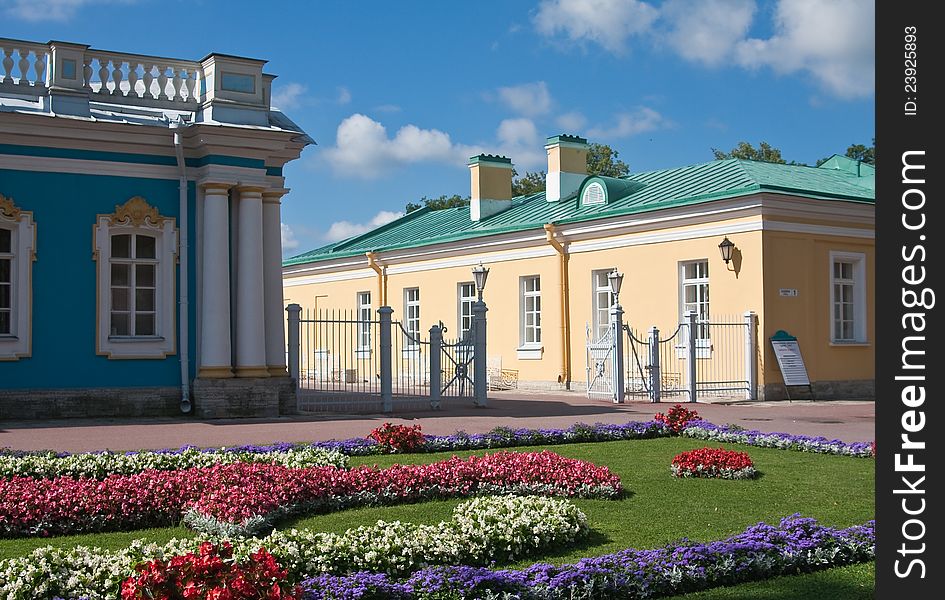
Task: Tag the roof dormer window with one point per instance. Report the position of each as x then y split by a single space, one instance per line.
593 194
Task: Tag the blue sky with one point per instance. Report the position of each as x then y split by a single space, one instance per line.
398 95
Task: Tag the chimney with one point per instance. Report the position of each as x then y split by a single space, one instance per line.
567 165
491 185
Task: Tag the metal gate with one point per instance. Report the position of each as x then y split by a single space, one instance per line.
700 360
342 362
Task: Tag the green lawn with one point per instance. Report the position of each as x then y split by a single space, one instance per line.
853 582
657 509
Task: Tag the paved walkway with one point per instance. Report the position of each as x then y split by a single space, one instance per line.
850 421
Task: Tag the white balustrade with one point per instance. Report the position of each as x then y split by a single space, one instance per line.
144 77
23 66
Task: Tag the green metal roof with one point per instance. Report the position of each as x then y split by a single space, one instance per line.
835 180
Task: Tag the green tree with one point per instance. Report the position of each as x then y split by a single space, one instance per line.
530 183
601 160
764 152
440 203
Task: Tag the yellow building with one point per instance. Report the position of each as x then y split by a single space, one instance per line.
803 262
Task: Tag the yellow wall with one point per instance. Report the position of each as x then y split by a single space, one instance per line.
802 262
763 262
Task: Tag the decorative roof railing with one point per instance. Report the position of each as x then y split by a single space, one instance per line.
30 69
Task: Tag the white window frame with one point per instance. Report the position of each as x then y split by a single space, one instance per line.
412 319
464 302
529 349
858 292
17 343
137 217
364 316
600 317
599 196
702 309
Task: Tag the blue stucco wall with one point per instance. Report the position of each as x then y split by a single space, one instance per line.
64 208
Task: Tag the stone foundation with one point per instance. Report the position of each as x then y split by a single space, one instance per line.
236 397
862 389
41 404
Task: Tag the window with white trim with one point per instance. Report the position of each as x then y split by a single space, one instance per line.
848 297
694 297
136 255
412 318
6 281
364 320
593 194
466 295
602 301
17 241
531 310
134 266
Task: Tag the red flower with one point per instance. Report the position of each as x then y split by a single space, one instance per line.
398 438
211 575
712 462
676 418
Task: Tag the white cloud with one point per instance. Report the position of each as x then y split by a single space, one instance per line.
344 95
706 31
387 108
628 124
287 96
605 22
571 122
288 239
529 99
340 230
50 10
833 41
363 149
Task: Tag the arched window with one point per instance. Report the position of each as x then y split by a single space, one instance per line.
17 248
136 252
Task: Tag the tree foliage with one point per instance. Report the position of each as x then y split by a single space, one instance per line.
602 160
440 203
765 152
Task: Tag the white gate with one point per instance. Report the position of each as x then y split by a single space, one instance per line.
599 358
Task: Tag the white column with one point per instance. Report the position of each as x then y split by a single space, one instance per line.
272 282
215 349
250 316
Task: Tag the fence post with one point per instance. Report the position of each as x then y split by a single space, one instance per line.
293 341
656 377
387 375
436 372
616 373
751 362
691 319
480 379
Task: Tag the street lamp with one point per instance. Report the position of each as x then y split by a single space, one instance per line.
615 278
480 274
726 248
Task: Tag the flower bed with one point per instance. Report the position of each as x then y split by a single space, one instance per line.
102 464
761 551
252 495
481 529
713 462
704 430
210 573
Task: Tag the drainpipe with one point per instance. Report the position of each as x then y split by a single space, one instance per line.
565 376
381 277
184 261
